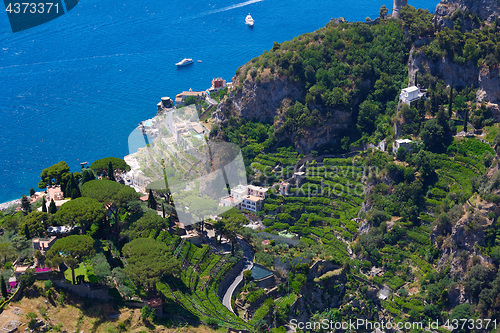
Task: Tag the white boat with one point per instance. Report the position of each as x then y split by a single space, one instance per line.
249 20
184 62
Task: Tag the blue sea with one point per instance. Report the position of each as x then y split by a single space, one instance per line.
74 88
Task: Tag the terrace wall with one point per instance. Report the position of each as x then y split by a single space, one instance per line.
229 278
255 305
266 282
83 290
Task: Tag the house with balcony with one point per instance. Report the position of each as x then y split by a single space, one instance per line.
252 203
218 84
230 201
55 193
258 191
248 197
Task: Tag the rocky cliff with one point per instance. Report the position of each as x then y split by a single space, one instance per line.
266 98
487 79
487 10
259 101
464 246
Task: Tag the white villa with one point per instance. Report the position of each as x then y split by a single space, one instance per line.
247 197
410 94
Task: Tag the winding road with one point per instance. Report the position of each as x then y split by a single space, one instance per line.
248 256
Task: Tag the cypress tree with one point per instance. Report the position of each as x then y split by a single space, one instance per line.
3 287
466 119
450 104
163 209
111 173
72 189
25 204
44 205
32 192
151 200
68 189
52 207
26 231
75 193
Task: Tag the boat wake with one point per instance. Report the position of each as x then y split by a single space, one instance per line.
225 9
71 60
238 5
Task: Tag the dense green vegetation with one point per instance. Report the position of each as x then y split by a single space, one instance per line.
71 251
101 166
479 45
422 221
350 67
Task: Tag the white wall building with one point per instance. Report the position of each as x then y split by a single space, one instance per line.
252 203
404 143
248 197
410 94
257 191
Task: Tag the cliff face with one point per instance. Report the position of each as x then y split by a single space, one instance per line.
318 296
489 82
267 100
486 9
486 79
461 246
261 101
464 246
453 73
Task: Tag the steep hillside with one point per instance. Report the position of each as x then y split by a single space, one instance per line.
415 231
465 47
310 89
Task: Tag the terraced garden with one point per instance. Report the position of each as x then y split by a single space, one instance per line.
323 207
465 160
196 289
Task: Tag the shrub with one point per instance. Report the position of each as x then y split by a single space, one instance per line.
48 284
147 313
212 322
31 316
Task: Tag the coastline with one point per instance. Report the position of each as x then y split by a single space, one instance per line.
5 205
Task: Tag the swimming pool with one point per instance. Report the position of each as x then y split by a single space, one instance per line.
148 123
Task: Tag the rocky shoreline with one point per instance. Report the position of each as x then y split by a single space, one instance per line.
5 205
